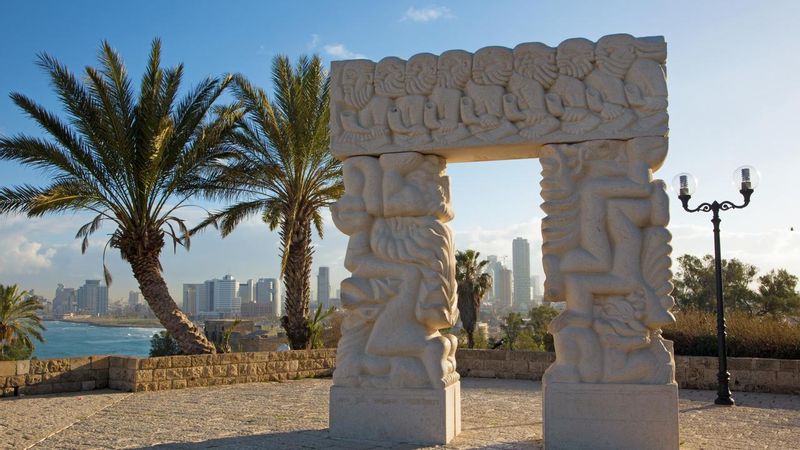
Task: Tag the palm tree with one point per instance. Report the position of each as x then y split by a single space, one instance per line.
19 321
285 173
473 284
131 162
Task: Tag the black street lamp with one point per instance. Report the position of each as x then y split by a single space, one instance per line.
747 178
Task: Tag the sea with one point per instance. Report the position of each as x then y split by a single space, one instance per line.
68 339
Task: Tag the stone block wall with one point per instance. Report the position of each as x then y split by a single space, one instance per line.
777 376
131 374
46 376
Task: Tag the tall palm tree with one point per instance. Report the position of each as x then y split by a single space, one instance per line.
285 173
473 284
130 161
19 321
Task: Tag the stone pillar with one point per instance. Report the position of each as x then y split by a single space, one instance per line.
606 253
395 377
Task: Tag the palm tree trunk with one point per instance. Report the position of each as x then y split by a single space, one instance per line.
147 271
296 276
470 339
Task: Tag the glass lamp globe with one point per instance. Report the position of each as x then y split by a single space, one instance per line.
684 183
746 177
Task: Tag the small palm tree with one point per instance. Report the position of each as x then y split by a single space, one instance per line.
473 284
19 321
285 173
130 161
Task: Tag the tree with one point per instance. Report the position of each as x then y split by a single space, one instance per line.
316 326
512 326
695 283
163 344
778 294
132 161
19 322
473 284
285 173
540 319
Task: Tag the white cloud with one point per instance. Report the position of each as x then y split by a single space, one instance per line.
426 14
314 42
21 256
340 51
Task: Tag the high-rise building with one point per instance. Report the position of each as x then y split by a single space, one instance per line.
93 297
324 287
134 298
226 299
536 289
247 291
521 265
195 299
65 300
503 299
268 290
493 268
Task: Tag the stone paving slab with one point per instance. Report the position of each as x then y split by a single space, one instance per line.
497 414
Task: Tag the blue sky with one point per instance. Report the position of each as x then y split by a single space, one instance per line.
734 100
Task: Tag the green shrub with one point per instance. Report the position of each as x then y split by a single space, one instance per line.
163 344
695 334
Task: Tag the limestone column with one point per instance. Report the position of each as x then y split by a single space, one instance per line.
606 254
395 375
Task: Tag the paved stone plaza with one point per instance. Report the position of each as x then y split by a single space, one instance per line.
496 414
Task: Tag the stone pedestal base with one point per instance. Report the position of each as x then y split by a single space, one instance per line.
424 416
610 416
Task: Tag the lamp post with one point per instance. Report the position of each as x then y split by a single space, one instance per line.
745 177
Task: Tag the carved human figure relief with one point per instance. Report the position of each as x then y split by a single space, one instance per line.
482 109
567 98
606 95
609 261
402 259
360 115
443 111
407 119
646 85
534 72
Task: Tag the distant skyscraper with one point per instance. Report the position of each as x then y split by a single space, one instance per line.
268 291
226 299
65 300
93 297
195 299
536 289
246 291
521 264
133 299
503 299
493 268
324 287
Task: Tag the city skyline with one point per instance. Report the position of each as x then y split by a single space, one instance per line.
494 201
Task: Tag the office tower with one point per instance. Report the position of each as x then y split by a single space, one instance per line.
93 297
134 298
246 291
226 299
536 289
493 268
268 291
195 299
65 300
324 287
521 265
503 299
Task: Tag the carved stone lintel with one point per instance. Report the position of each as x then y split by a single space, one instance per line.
499 100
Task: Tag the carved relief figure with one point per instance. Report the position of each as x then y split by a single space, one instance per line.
534 72
403 286
361 115
614 55
567 98
646 85
443 112
407 119
613 277
482 109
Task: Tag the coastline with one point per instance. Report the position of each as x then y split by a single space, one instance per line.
122 323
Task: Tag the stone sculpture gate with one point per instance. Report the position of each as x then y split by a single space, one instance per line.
595 115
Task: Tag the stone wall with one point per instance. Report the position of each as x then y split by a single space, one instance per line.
177 372
779 376
152 374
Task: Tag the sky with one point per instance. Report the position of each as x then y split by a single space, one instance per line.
732 77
